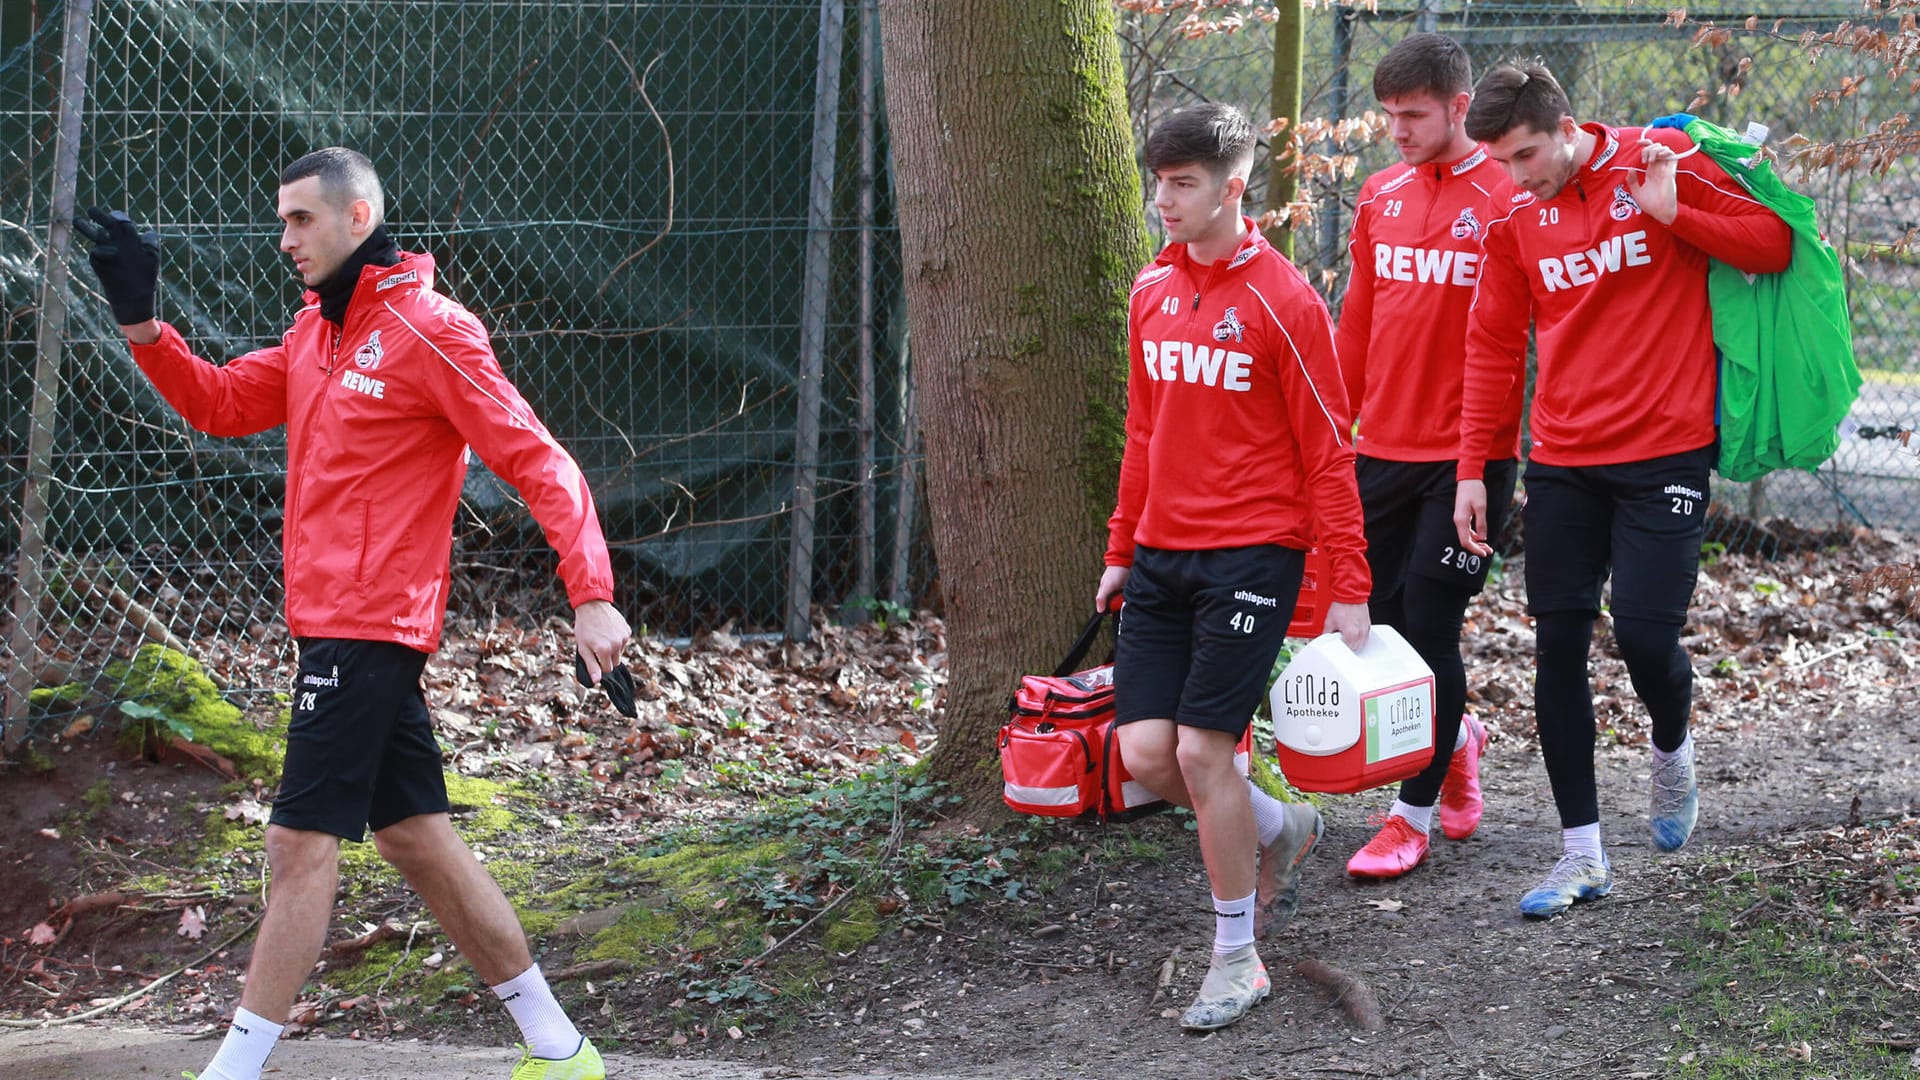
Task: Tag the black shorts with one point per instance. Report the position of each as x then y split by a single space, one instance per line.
1409 511
1200 631
1643 520
360 749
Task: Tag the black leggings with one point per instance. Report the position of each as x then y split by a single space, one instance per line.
1563 698
1428 612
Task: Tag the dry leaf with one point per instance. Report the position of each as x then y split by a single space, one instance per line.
41 934
1387 905
193 923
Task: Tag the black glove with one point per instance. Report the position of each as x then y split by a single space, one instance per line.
617 681
127 262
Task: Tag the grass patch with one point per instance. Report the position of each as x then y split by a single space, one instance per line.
1804 967
848 865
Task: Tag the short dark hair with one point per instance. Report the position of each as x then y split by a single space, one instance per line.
1516 93
1423 64
345 175
1217 136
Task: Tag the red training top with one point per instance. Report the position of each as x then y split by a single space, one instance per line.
1415 247
379 416
1236 420
1619 307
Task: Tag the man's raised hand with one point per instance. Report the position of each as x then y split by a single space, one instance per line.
127 262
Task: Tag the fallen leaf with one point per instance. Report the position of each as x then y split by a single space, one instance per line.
193 923
41 934
1387 905
51 834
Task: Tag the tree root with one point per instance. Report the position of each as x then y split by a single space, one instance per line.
591 969
70 912
1349 992
350 949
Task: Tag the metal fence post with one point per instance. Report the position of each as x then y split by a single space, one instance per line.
46 375
901 575
813 318
863 542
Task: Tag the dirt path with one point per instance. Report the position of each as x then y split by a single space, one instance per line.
1468 986
1797 733
80 1053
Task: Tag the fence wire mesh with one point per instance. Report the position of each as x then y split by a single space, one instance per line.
657 209
625 193
1624 63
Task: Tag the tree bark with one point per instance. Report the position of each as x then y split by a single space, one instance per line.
1283 179
1021 230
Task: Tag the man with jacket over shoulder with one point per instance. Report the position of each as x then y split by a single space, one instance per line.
382 384
1603 248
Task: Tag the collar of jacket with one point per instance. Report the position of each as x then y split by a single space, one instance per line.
415 270
1250 248
1606 146
1445 169
336 293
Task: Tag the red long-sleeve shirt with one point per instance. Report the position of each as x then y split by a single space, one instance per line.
1619 307
1236 420
379 414
1415 247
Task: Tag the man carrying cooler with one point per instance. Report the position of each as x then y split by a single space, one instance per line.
1236 457
1416 256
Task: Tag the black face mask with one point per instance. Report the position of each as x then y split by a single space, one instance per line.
337 291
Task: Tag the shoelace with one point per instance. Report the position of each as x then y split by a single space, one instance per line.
1673 778
1382 820
1569 867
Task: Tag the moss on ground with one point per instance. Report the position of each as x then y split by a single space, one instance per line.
171 690
46 699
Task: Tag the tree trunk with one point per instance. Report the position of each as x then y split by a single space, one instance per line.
1021 231
1283 179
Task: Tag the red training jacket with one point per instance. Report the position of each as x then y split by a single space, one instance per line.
378 421
1236 419
1619 307
1415 248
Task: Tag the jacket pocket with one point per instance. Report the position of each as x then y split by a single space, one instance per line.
360 516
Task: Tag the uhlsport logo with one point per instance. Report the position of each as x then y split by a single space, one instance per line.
1466 224
1623 206
368 356
1229 326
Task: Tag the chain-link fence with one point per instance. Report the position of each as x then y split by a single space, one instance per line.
1624 63
670 216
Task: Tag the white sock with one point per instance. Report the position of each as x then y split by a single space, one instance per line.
1232 923
1420 817
1684 750
1460 740
543 1023
244 1051
1583 840
1269 814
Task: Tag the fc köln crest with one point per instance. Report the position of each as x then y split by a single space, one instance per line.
1229 326
1466 224
1623 205
368 356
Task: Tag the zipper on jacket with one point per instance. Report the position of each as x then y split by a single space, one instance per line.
296 495
1201 287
